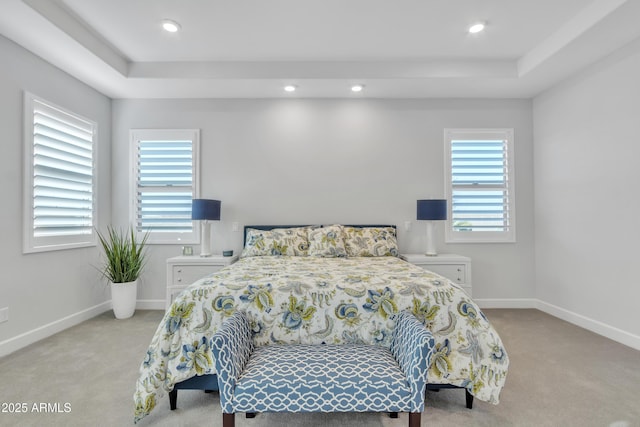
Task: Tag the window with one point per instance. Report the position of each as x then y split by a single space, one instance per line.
59 182
165 181
480 185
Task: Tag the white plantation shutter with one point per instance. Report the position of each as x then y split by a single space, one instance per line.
59 178
480 185
165 183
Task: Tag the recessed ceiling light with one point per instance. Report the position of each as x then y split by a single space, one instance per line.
357 88
170 26
290 88
477 27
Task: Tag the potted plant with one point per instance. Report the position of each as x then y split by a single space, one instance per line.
125 258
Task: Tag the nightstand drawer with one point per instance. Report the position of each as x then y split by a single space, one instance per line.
182 271
187 274
456 268
454 272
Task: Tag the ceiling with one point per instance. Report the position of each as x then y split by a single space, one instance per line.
252 48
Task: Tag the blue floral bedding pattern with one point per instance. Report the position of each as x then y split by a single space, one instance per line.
278 241
370 241
314 300
327 241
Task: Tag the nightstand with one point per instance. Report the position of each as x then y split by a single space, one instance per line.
456 268
184 270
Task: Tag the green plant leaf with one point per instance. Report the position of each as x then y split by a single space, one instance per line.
124 253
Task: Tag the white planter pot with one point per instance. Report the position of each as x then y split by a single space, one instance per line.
123 299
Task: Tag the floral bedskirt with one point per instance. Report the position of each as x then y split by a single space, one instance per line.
315 300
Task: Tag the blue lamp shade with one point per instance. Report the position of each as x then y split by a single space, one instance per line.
432 209
205 209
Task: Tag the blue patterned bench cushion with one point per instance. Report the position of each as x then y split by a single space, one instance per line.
322 378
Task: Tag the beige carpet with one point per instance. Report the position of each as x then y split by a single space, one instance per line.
560 375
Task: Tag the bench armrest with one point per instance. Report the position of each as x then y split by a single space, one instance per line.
412 346
231 346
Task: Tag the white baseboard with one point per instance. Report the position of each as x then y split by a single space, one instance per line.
592 325
587 323
613 333
12 344
16 343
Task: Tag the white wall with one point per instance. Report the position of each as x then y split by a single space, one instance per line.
53 289
587 157
269 161
305 161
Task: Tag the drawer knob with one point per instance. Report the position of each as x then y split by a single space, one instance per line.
459 269
179 270
179 280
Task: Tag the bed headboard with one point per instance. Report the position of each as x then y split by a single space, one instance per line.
271 227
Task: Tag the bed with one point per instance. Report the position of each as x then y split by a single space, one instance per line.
323 284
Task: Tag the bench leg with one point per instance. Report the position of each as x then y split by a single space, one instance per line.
250 415
469 398
228 420
393 415
173 399
414 419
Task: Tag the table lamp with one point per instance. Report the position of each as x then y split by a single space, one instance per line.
431 210
205 210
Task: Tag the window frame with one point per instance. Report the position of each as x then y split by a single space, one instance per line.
136 135
32 243
507 236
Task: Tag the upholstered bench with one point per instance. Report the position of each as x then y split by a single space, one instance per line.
322 378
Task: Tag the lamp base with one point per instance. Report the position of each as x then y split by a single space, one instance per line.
431 246
205 239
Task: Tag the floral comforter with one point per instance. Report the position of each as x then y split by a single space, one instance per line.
324 300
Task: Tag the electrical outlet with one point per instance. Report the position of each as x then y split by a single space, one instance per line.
407 225
235 227
4 314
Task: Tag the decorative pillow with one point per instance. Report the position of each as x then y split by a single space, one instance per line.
370 241
278 241
327 242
